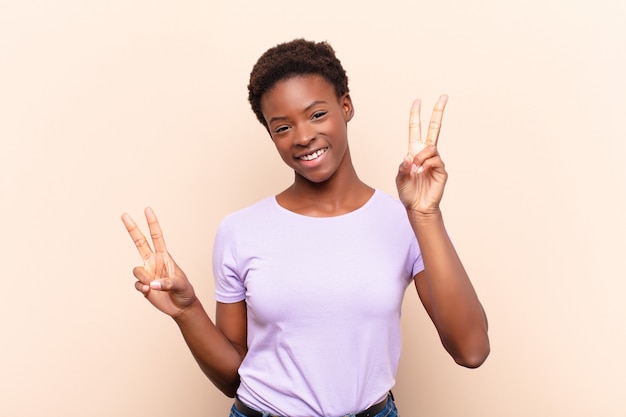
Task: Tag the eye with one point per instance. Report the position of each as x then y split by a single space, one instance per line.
318 114
281 129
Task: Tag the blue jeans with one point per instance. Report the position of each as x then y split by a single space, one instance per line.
390 410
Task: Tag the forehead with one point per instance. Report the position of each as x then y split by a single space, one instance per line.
297 93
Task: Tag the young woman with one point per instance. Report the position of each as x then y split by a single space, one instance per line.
309 283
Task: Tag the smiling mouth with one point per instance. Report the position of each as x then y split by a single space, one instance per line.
313 155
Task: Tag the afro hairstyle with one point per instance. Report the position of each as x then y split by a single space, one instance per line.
291 59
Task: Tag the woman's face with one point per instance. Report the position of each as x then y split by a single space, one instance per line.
308 125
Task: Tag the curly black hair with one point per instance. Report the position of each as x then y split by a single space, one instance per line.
290 59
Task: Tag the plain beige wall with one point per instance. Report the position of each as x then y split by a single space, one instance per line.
107 107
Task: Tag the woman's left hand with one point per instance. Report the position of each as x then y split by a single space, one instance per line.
422 176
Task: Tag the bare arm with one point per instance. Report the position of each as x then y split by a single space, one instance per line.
448 295
444 287
218 350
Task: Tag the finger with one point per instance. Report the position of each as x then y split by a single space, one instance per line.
143 274
157 239
429 151
140 241
142 288
418 160
435 121
404 170
162 284
155 231
434 163
415 129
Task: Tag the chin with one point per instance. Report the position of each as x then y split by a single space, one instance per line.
317 179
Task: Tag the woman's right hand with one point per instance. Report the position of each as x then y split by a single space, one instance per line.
160 280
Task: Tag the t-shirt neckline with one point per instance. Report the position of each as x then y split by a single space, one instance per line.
350 213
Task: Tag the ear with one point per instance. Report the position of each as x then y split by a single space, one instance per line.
346 105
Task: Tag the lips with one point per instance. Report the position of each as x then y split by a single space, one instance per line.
313 155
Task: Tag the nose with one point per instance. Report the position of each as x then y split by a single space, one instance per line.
305 134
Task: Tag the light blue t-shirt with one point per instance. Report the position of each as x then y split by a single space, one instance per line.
323 298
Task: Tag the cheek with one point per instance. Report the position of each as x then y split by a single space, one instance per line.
283 150
339 131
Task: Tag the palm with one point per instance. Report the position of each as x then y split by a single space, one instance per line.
422 193
156 268
162 282
422 177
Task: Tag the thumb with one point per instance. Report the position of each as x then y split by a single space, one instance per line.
164 284
406 168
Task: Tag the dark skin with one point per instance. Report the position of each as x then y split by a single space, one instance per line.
304 115
307 123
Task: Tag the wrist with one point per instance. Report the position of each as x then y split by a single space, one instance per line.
421 218
187 313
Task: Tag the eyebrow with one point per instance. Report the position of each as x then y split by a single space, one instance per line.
306 109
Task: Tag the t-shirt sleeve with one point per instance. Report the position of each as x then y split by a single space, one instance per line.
416 256
229 286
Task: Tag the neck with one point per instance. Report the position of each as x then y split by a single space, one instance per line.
342 193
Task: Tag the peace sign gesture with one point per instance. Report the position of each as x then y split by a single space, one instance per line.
160 280
422 176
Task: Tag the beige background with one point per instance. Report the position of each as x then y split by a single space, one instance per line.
107 107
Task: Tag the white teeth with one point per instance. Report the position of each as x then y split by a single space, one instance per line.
313 155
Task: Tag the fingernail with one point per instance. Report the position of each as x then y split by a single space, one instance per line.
414 169
420 169
155 285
